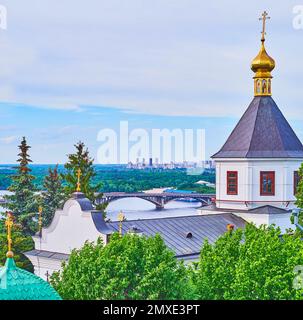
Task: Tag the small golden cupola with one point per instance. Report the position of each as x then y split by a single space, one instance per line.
262 65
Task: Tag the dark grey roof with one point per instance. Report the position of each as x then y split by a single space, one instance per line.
175 231
100 224
268 210
84 203
47 254
262 132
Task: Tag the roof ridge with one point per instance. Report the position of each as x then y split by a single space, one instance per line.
280 132
253 131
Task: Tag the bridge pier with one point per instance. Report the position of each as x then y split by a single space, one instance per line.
159 207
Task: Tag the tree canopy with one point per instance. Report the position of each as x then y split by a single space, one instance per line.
80 160
131 267
250 264
53 197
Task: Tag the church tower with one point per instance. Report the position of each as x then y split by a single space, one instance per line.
257 167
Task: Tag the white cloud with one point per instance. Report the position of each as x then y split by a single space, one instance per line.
156 57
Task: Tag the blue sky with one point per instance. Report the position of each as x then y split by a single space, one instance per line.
70 68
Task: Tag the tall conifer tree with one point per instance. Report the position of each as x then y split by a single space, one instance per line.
80 160
23 201
52 197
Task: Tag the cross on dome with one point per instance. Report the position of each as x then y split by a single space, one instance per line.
262 65
264 18
78 182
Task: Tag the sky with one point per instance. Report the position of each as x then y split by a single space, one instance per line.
71 68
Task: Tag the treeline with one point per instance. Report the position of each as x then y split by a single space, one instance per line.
118 178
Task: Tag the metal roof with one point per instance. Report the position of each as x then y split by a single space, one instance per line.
262 132
175 231
47 254
85 204
268 209
19 284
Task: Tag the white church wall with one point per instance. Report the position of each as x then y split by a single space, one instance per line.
70 228
248 196
281 220
45 266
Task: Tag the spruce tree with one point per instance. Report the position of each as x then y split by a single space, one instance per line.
52 197
23 201
80 160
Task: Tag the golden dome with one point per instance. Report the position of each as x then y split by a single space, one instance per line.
263 64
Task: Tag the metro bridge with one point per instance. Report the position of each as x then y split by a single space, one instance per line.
158 199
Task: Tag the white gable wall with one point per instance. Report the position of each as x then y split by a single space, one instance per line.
70 228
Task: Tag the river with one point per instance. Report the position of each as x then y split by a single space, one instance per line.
134 208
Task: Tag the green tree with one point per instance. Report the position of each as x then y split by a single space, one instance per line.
299 202
21 243
53 196
23 202
299 194
80 160
131 267
250 264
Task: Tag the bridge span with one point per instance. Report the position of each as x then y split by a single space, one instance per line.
158 199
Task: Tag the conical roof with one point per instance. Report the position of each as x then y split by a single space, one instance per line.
262 132
18 284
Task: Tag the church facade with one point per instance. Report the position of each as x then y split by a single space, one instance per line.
257 167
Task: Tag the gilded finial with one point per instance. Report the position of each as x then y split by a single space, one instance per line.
40 220
9 225
121 218
262 65
263 17
78 182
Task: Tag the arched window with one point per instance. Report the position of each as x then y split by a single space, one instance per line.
269 86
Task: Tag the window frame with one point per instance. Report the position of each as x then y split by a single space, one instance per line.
273 192
228 192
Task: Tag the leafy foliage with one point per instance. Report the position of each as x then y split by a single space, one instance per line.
53 197
131 267
23 202
254 263
299 194
299 201
21 243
